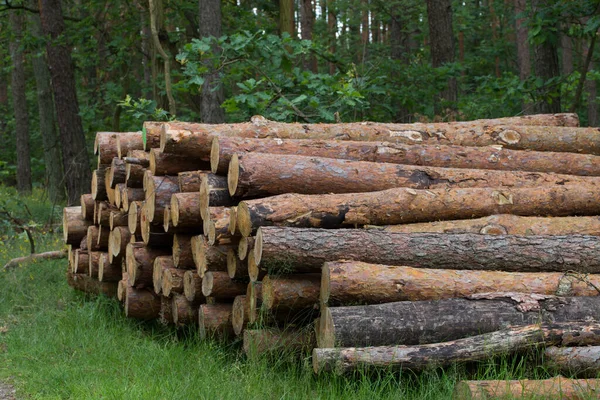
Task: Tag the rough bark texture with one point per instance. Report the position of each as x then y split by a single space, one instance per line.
160 264
48 255
128 141
152 130
448 156
182 251
159 190
81 262
554 388
184 312
109 272
105 147
74 225
239 314
117 172
84 283
354 282
583 361
423 322
103 213
185 210
135 172
207 257
290 292
87 206
405 205
219 285
97 238
306 250
216 227
98 188
165 314
260 175
192 286
258 342
214 320
214 192
189 181
171 164
140 263
172 281
505 224
476 348
141 303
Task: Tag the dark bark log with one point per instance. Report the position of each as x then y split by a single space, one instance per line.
171 164
219 285
182 251
129 195
258 342
87 207
207 257
98 188
97 238
158 190
215 321
135 172
216 226
290 292
128 141
94 263
192 286
74 225
84 283
109 272
476 348
165 315
172 281
141 303
583 361
81 262
140 263
118 173
189 181
214 193
185 211
184 312
160 264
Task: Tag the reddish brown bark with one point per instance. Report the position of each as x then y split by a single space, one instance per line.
171 164
128 141
105 147
184 312
84 283
141 303
192 286
185 210
215 321
189 181
219 285
207 257
290 292
87 207
140 263
75 227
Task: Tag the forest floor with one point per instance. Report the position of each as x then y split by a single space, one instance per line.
7 392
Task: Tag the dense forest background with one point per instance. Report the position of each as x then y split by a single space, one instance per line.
70 68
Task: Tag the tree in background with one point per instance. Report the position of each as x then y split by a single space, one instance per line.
212 93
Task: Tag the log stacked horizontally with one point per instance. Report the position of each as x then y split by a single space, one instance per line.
403 245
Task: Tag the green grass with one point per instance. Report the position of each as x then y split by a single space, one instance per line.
57 343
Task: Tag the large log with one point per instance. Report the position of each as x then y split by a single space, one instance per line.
117 172
160 264
129 195
75 226
105 147
98 187
189 181
254 296
355 282
258 342
505 224
476 348
184 311
172 281
97 238
171 164
84 283
192 286
182 251
214 192
196 139
290 292
207 257
239 314
583 361
158 190
434 155
128 141
405 205
151 131
141 303
139 260
433 321
134 172
214 320
81 262
87 207
260 175
108 272
219 285
548 389
305 250
185 211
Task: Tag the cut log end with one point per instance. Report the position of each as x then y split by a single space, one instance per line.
210 232
325 284
214 155
166 218
510 136
233 175
253 270
244 222
238 314
233 220
267 293
243 248
204 198
232 263
258 245
174 210
207 283
326 336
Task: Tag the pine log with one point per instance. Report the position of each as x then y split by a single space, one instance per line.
185 211
110 192
548 389
105 146
405 205
165 315
355 282
158 190
219 285
108 272
114 247
214 192
305 250
103 213
260 175
290 292
117 172
192 286
94 263
134 218
119 188
153 234
184 312
122 287
214 320
182 251
236 268
432 321
196 139
583 361
160 264
255 273
245 246
172 281
97 238
87 207
81 262
171 163
254 296
141 303
433 155
47 255
128 141
118 219
258 342
85 283
476 348
505 224
129 195
139 260
151 134
98 187
216 226
189 181
134 173
207 257
75 226
239 314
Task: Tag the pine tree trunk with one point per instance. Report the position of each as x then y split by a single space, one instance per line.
212 95
583 361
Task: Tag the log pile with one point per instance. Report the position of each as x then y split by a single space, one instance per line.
403 245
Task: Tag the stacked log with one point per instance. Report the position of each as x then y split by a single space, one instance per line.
399 245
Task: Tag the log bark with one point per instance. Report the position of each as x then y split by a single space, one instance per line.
87 207
505 224
214 193
94 263
216 226
260 175
192 286
134 218
135 172
305 250
219 285
189 181
258 342
84 283
185 211
109 272
153 234
448 156
128 141
182 251
118 219
129 195
110 192
239 314
141 303
152 131
404 205
81 262
476 348
291 292
184 312
48 255
553 388
103 213
354 282
139 260
160 264
172 281
254 296
171 163
117 172
98 187
209 258
97 238
105 147
423 322
75 226
583 361
196 139
158 190
165 315
214 321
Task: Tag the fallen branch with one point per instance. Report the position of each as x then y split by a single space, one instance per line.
49 255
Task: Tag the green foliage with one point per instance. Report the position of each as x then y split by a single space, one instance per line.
144 110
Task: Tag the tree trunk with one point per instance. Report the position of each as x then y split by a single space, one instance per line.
161 263
207 257
484 157
192 286
260 175
258 342
423 322
75 156
355 282
214 192
583 361
404 205
52 158
182 251
20 105
185 211
141 303
554 388
305 250
286 18
184 312
171 164
307 21
290 292
172 281
476 348
109 272
140 263
219 285
159 190
506 224
522 41
214 321
74 225
156 11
